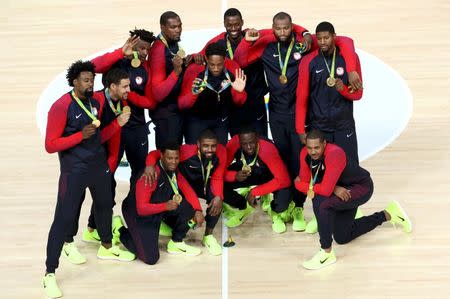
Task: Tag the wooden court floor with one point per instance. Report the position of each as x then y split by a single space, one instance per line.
41 38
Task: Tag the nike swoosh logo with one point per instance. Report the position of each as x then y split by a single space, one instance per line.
161 184
348 135
225 118
107 171
184 250
77 116
116 254
66 252
319 71
259 118
240 219
191 166
314 166
143 143
402 219
275 55
324 260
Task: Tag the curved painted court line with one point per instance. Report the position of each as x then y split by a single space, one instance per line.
381 115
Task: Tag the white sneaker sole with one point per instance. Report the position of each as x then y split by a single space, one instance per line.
115 258
183 253
322 266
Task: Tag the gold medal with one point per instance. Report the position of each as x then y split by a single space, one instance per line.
177 198
96 123
310 194
331 81
181 53
283 79
246 168
126 109
135 62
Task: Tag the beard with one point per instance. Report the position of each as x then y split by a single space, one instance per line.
88 93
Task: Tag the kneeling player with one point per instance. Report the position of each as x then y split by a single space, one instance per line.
337 187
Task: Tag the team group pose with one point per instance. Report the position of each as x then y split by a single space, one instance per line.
212 145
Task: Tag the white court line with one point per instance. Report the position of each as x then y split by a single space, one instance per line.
224 261
224 228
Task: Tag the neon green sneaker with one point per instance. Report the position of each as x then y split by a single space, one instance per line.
239 217
228 211
212 245
359 214
90 237
182 248
311 227
299 223
399 216
115 253
278 224
70 251
165 230
117 223
320 260
265 201
286 216
50 285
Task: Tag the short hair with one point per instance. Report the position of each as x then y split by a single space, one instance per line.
78 67
315 134
247 129
281 16
207 134
215 49
146 36
115 75
325 27
166 16
170 145
232 12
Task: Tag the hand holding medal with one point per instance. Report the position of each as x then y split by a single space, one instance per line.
198 85
88 131
126 109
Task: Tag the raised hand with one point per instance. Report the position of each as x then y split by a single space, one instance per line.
239 81
251 35
131 42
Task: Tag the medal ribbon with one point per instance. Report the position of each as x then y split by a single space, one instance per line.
283 66
229 49
313 181
205 82
89 113
164 41
117 110
172 180
244 162
333 63
209 166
